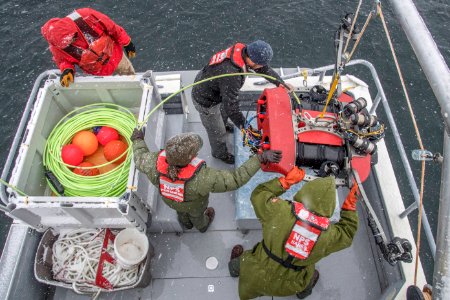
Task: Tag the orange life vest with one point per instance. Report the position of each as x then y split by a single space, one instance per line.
100 47
233 53
174 189
305 231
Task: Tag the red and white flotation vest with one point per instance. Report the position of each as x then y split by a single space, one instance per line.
305 232
100 46
174 189
233 53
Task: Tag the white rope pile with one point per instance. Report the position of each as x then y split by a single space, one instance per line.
75 260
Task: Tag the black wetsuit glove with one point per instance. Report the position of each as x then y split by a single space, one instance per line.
270 156
138 134
130 50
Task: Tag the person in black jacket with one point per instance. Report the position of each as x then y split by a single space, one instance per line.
217 100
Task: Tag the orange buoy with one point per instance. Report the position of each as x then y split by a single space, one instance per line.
72 155
114 149
98 159
87 141
86 172
107 134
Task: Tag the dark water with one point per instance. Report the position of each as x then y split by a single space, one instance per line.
180 35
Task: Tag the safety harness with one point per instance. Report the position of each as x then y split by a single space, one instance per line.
304 234
100 47
233 53
175 189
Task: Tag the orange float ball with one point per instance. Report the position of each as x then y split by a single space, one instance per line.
86 172
114 149
87 141
72 155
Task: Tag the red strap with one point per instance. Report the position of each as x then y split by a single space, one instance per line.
100 280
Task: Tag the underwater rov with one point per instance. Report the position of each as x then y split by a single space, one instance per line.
337 139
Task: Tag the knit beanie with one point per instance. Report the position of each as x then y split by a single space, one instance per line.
260 52
182 148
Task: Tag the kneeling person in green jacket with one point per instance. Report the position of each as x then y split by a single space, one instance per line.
185 181
296 235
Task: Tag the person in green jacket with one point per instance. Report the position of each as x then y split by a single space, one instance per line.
185 181
296 235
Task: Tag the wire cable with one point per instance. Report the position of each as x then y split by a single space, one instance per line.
141 124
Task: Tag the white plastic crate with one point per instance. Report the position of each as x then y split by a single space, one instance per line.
41 210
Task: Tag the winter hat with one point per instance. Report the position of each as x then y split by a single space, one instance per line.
319 196
260 52
182 148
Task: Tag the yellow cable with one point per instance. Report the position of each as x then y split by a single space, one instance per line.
330 94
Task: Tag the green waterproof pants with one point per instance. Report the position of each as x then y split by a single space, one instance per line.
196 218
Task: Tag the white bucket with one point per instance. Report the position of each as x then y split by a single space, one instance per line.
130 247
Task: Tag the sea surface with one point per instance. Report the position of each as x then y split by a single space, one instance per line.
182 35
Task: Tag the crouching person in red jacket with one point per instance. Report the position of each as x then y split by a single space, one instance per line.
92 41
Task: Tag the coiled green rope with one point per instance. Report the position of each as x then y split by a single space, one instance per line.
110 184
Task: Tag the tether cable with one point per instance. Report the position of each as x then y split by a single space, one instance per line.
13 187
109 184
419 139
141 124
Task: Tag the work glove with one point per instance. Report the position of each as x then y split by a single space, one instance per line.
295 175
269 156
352 198
130 50
138 134
66 77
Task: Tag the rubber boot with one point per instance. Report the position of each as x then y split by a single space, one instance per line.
186 225
236 251
234 263
308 290
210 213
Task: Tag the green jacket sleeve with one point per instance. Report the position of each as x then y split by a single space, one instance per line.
220 181
262 196
145 160
342 233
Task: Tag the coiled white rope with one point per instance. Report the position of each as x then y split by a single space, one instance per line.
75 260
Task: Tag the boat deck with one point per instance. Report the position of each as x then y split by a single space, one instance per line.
178 266
179 270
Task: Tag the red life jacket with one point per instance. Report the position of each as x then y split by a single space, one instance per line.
174 189
233 53
305 231
100 47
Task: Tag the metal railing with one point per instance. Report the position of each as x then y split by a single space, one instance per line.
381 97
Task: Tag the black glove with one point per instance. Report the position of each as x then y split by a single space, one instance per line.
270 156
66 77
130 50
138 134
